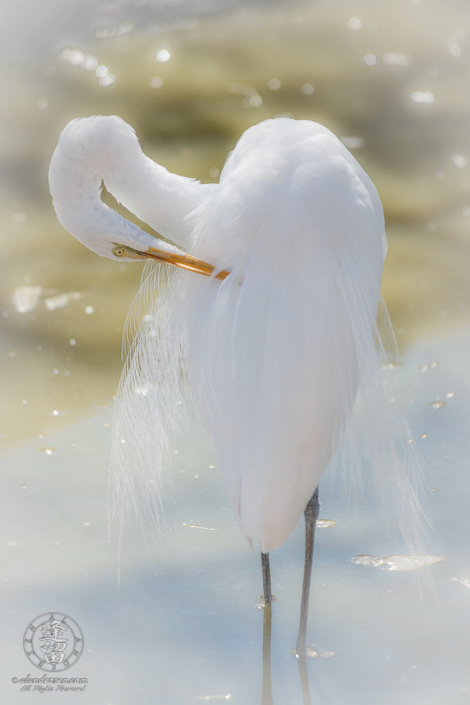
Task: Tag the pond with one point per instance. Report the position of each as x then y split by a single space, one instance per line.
175 619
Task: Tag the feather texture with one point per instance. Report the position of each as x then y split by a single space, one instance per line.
281 359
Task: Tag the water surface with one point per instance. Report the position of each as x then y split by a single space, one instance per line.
391 80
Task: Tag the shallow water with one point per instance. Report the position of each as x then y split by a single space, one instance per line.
184 625
187 627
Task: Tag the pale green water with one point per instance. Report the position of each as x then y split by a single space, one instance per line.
190 629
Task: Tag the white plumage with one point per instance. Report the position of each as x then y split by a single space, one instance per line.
275 354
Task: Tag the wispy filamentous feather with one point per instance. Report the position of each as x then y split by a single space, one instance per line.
149 410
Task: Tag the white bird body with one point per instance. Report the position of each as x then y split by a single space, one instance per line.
277 351
274 362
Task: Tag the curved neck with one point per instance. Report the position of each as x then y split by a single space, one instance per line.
96 149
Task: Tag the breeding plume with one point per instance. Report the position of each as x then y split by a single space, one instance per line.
276 345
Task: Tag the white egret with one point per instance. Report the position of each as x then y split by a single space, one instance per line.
274 345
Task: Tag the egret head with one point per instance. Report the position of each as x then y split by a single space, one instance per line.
113 237
88 152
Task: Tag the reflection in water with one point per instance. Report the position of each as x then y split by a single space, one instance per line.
266 690
303 673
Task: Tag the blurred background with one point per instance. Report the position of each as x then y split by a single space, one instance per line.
391 79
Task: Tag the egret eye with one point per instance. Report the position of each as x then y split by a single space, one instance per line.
119 251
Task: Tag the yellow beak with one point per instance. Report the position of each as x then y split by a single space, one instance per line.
183 260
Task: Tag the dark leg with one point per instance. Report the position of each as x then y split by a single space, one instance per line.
268 598
266 693
311 515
